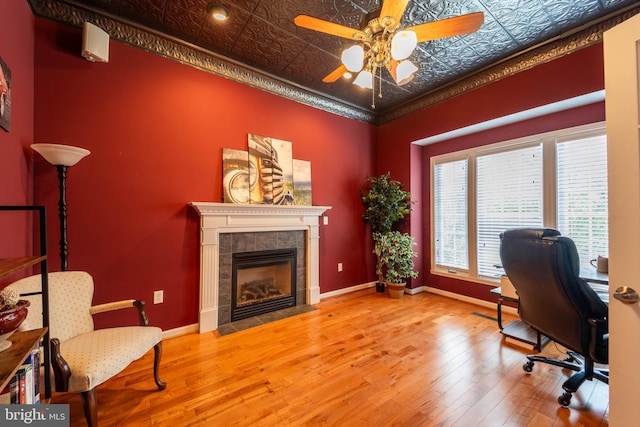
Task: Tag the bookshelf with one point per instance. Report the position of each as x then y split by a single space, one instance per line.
14 356
24 341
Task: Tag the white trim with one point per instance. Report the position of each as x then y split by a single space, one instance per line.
548 142
567 104
413 291
217 218
348 290
182 330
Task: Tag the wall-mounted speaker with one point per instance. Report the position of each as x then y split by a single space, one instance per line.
95 43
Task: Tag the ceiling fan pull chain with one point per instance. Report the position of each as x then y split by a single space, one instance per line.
373 97
373 89
380 83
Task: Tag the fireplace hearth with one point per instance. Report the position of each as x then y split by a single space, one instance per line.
262 282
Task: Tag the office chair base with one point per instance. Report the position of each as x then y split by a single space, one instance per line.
585 370
569 363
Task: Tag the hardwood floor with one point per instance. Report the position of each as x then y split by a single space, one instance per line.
361 359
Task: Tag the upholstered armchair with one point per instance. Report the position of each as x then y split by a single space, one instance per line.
82 357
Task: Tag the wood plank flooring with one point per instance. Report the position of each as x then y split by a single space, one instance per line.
361 359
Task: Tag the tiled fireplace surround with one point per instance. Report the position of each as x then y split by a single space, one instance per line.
231 243
227 228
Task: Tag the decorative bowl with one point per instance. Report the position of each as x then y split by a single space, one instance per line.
10 321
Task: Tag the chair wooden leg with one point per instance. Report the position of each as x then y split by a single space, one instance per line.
157 350
90 406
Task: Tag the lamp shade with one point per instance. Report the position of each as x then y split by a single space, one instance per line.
404 72
353 58
364 80
58 154
403 44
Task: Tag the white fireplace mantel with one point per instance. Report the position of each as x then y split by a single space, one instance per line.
216 218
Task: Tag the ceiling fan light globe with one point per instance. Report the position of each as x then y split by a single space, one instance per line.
353 58
405 72
364 79
403 44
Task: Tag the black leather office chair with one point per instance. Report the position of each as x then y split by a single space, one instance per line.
544 269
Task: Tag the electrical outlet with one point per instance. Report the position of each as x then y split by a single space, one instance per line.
339 267
325 219
158 297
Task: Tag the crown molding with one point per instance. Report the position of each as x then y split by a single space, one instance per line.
531 58
72 13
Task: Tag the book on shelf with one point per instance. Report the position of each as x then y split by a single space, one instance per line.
24 387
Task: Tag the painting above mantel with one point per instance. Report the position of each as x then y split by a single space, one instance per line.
265 174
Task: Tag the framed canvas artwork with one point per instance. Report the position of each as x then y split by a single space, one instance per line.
266 173
235 176
302 182
5 96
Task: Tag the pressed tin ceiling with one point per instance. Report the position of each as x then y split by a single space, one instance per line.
259 44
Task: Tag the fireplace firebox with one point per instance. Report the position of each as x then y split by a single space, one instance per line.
262 282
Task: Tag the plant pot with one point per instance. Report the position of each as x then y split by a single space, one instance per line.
379 287
396 290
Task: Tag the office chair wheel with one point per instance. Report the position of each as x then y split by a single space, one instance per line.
528 367
565 399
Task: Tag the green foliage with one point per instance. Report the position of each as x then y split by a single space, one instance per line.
395 254
385 203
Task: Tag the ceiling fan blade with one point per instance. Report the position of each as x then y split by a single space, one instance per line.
335 74
449 27
327 27
394 9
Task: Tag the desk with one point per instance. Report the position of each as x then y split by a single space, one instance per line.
593 276
517 329
599 282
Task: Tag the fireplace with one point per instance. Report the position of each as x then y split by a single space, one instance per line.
262 282
218 221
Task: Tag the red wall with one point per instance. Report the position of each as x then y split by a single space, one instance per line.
16 49
572 75
156 129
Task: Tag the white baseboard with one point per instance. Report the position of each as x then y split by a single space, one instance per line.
365 286
347 290
182 330
413 291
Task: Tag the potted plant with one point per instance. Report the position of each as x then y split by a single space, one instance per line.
385 204
395 254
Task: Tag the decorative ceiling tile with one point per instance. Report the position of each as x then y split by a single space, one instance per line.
260 37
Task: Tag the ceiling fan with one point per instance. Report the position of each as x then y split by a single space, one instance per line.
383 44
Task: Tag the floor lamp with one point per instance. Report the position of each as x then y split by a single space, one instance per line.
62 157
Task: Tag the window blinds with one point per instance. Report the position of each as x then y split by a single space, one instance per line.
509 194
450 214
582 195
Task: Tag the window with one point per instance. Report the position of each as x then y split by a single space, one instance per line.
557 180
509 194
582 195
450 182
